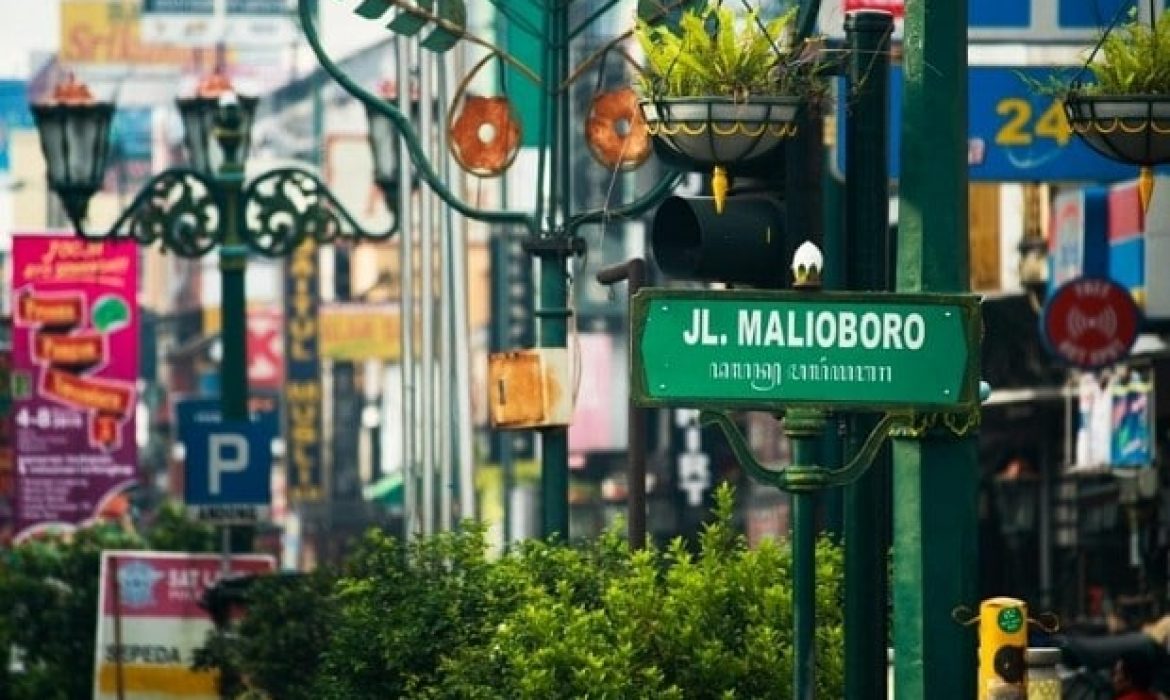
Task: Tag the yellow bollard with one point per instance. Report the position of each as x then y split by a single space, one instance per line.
1003 639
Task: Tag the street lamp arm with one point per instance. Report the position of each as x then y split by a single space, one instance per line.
283 207
410 137
177 208
650 199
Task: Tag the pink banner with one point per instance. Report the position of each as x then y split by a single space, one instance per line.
161 584
74 368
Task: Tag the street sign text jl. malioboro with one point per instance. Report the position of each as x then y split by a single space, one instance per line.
756 349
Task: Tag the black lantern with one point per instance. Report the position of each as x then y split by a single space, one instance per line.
217 125
384 137
74 129
1016 488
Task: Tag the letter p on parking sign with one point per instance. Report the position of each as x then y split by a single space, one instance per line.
227 452
228 471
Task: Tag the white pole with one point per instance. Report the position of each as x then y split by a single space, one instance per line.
447 421
456 235
406 253
427 299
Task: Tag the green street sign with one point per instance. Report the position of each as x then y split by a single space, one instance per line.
766 350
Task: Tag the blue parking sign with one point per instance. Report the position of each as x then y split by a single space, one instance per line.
228 471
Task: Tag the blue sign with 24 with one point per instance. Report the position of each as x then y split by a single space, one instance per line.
1015 133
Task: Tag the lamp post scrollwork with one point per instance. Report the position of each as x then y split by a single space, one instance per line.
191 211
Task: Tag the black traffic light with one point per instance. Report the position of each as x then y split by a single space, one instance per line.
744 243
512 306
512 294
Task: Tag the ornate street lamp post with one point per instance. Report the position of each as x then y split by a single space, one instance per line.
193 210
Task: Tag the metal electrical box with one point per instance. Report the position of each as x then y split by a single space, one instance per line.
530 389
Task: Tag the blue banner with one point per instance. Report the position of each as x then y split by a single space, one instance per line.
1014 134
302 368
1132 444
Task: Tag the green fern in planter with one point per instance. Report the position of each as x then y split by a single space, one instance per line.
1134 59
711 53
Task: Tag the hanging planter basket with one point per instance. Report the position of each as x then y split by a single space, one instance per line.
703 133
723 94
1124 112
1131 129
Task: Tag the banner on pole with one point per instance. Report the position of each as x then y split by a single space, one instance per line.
302 388
75 364
355 331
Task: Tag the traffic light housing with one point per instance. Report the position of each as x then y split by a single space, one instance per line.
1003 641
744 243
512 301
512 294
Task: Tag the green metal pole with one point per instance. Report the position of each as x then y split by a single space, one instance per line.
233 261
935 475
233 364
552 316
866 501
805 429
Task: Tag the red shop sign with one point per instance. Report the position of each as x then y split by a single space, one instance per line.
1090 322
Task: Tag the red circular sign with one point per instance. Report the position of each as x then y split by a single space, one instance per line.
1090 322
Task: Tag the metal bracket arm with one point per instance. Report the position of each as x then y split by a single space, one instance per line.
285 206
425 169
187 213
802 478
180 208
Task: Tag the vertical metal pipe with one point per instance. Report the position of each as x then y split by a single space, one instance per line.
115 590
427 302
866 501
634 272
1046 467
456 235
233 261
554 311
804 428
804 601
936 478
406 255
448 421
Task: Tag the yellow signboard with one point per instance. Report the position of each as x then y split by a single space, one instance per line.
106 33
355 332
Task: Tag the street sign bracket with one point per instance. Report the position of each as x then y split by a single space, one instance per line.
803 478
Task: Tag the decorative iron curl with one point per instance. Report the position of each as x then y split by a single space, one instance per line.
284 207
177 207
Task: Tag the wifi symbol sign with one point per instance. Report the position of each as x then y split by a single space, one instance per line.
1090 322
1078 323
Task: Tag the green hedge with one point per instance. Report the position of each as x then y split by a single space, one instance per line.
436 618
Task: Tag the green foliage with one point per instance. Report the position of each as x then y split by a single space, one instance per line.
171 531
437 619
277 645
48 609
709 52
1134 59
48 605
